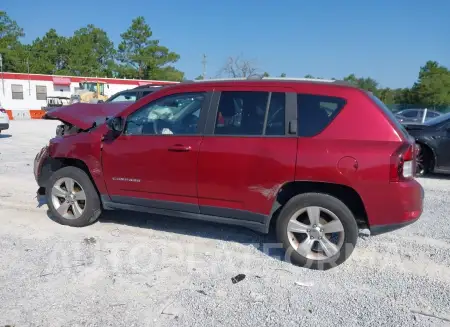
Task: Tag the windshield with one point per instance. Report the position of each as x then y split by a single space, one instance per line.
123 97
438 120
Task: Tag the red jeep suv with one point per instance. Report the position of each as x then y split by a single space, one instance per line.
320 159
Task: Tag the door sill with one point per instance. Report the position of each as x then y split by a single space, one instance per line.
252 225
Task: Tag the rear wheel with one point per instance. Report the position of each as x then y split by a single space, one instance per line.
72 197
317 230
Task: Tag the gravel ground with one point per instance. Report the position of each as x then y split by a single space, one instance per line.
139 270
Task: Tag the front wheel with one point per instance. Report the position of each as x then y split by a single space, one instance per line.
318 231
72 197
424 161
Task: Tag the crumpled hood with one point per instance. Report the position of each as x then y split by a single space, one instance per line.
84 115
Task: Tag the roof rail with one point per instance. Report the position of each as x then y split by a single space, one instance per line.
256 77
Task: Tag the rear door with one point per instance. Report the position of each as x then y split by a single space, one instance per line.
247 152
443 148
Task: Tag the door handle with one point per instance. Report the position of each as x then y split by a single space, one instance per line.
180 148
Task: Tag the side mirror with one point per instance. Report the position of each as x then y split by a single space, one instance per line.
116 125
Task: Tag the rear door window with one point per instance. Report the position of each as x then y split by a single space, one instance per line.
431 114
315 112
242 113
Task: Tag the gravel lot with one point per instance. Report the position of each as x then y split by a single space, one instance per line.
139 270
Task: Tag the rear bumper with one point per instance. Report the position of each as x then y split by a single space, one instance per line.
406 211
4 126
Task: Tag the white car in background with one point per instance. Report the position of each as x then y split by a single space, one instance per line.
4 119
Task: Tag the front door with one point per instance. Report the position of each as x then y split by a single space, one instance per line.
154 162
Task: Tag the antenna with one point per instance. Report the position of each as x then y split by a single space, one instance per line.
204 66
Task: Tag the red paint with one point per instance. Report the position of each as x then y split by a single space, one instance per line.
248 172
83 115
164 175
78 79
244 173
83 146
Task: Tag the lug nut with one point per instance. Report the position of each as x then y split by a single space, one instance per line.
314 226
320 237
312 237
309 231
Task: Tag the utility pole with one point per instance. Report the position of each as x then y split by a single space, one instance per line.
1 70
204 66
29 82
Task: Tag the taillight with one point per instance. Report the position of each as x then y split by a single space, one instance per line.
403 163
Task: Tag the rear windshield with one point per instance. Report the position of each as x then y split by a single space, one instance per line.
390 114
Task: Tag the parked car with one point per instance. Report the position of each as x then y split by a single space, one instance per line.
433 138
416 115
133 95
55 102
294 152
4 119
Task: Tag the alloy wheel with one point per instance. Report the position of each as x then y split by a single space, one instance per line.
315 233
68 198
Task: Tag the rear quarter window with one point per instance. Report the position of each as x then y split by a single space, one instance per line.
316 112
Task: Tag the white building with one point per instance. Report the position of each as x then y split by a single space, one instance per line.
30 91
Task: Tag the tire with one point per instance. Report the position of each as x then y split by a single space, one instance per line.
57 185
424 161
329 209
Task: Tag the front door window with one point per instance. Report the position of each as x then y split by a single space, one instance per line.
172 115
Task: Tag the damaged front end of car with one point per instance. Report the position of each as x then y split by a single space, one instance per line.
75 138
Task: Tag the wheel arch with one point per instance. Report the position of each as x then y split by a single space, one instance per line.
427 146
345 193
54 164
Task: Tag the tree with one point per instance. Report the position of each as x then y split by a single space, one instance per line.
283 75
91 52
238 67
433 85
10 34
266 74
143 57
50 54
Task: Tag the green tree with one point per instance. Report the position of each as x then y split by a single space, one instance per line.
283 75
10 47
433 85
91 52
143 57
266 74
50 54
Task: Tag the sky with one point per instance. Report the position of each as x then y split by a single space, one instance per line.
385 40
